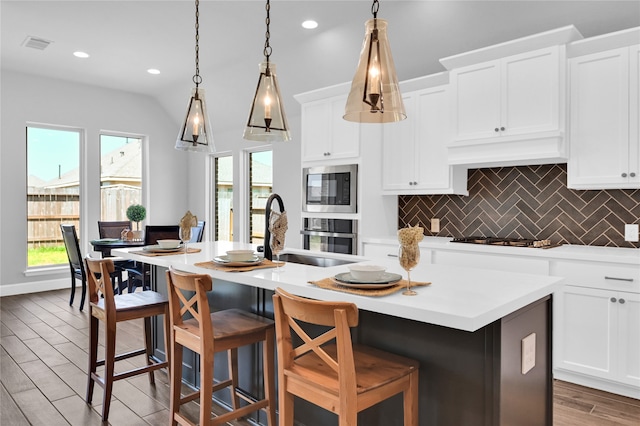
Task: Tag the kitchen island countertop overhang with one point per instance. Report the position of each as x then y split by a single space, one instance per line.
458 297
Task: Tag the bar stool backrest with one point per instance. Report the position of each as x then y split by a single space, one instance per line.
99 281
188 311
290 310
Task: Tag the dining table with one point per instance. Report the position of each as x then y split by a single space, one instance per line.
105 245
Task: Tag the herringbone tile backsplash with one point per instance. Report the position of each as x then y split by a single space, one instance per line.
527 202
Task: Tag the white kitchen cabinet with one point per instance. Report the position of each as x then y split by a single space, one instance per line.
510 110
604 113
325 134
414 159
597 326
599 333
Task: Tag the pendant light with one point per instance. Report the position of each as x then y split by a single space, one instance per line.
267 120
375 96
195 133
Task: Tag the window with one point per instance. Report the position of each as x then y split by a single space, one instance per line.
120 175
224 198
260 187
53 192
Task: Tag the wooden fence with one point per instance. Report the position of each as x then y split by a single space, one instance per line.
47 208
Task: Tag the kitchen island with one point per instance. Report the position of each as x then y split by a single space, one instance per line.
466 329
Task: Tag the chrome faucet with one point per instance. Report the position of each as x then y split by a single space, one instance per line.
267 215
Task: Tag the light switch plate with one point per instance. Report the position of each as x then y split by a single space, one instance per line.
435 225
631 232
528 353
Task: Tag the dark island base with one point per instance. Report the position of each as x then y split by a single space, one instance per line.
465 378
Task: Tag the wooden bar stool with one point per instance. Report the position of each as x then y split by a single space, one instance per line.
207 333
340 377
109 308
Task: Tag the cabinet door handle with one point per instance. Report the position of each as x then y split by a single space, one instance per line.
614 300
618 279
624 175
632 174
621 301
502 128
496 129
392 255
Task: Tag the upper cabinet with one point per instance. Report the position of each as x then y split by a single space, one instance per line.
414 150
604 113
326 135
509 109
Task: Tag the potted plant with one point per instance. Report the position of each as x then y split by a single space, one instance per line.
136 213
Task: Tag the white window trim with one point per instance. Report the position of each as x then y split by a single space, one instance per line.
82 176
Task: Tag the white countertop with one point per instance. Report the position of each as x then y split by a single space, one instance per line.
461 298
567 252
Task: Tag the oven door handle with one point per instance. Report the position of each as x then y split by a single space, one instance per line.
327 234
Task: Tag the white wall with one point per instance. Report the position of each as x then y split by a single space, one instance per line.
31 99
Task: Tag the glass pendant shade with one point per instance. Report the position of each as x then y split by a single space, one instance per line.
195 133
375 96
267 120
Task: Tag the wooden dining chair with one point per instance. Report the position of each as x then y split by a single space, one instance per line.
330 371
139 274
113 229
111 309
193 326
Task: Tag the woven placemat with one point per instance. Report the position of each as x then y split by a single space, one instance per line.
171 253
331 284
266 263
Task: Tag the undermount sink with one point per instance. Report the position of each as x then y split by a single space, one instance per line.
305 259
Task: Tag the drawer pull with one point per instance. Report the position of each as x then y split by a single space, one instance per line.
621 301
614 300
618 279
392 255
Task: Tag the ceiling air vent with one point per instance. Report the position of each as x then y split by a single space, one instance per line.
36 43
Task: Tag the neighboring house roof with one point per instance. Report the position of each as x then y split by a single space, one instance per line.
120 166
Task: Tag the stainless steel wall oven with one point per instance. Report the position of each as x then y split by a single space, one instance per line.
330 235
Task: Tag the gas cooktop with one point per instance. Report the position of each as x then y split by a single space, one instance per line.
500 241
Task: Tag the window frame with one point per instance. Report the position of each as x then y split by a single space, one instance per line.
82 191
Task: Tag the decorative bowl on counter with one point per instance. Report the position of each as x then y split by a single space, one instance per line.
169 244
240 255
366 272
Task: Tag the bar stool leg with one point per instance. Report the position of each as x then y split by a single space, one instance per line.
269 376
232 358
176 380
93 355
410 401
206 389
109 361
148 347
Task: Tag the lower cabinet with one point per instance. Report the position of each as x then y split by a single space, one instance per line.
598 335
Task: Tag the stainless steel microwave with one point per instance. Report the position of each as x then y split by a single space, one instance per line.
331 189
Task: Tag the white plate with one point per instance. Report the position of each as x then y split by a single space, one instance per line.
386 280
107 240
224 260
158 249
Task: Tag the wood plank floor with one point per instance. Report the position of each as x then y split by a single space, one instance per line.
43 363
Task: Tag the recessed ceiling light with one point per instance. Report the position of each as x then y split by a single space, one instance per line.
80 54
153 71
309 24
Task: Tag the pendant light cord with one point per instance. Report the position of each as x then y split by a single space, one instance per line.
267 35
374 8
196 78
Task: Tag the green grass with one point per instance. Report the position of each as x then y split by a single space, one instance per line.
47 256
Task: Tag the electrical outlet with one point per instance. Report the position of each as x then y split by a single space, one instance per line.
631 232
435 225
528 353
